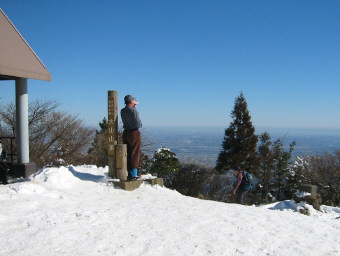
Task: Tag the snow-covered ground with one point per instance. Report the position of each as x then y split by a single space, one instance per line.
74 211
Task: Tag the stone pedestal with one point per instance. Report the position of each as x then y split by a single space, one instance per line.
134 184
23 170
157 181
310 189
128 185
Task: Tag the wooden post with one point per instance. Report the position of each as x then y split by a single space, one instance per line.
112 131
121 161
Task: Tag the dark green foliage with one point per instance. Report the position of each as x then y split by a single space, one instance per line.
270 162
239 143
190 179
98 153
164 162
282 166
296 177
144 163
274 172
266 167
103 126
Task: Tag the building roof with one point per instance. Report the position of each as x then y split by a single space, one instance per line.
17 59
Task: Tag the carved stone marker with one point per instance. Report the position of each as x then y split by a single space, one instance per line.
112 131
117 153
312 197
121 161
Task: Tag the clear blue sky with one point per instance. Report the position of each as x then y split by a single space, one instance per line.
186 61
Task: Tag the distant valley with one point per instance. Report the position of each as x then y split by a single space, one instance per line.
202 145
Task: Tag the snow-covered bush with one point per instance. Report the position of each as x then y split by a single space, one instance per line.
164 162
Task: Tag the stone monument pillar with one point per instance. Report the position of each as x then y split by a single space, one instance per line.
112 131
308 193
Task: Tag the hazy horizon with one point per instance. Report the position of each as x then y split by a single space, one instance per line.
203 144
275 131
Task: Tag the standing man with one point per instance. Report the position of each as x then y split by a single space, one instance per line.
240 189
131 135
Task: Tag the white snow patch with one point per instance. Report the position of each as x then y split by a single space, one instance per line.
302 194
162 149
148 177
74 211
56 177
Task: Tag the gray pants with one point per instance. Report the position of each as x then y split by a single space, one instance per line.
241 192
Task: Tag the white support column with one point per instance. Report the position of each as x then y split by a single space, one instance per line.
22 132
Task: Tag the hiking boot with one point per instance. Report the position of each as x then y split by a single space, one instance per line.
134 172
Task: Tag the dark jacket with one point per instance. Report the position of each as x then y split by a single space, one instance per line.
130 118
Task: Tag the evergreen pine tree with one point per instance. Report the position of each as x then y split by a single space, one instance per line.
266 168
277 179
282 167
239 143
98 152
296 177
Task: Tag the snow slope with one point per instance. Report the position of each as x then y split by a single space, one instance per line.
74 211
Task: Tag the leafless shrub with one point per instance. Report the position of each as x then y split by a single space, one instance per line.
54 134
199 181
324 171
